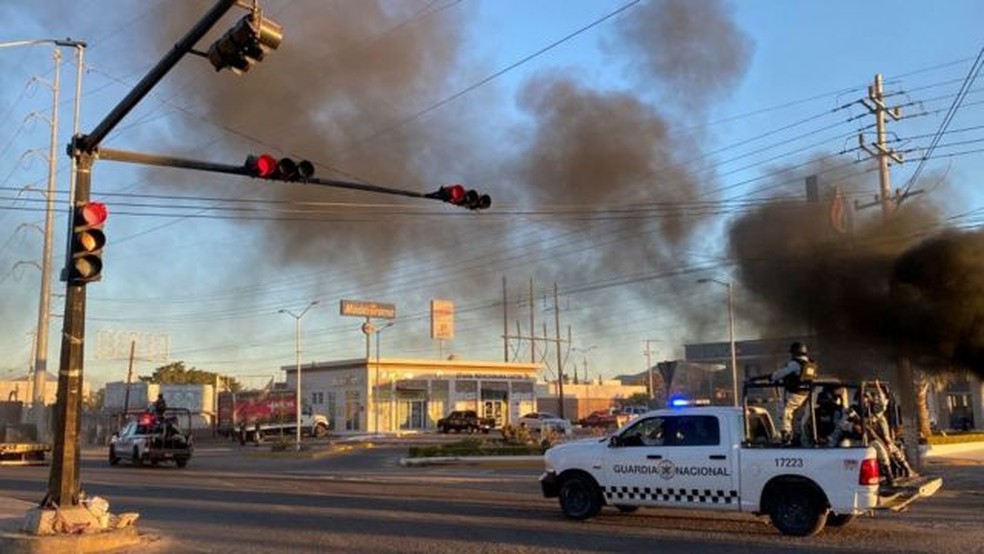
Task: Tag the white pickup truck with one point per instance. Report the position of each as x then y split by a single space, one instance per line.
702 457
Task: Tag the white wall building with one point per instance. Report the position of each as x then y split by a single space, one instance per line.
392 395
198 399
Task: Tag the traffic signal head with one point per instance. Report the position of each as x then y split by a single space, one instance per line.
245 44
87 242
459 196
266 166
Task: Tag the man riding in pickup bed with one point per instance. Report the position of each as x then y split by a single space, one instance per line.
797 371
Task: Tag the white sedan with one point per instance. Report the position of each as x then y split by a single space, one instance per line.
537 421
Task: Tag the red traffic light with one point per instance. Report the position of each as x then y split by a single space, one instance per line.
459 196
88 240
91 213
454 194
262 166
266 166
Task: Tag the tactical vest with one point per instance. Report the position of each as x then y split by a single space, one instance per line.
807 372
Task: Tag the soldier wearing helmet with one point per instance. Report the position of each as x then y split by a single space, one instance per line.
797 371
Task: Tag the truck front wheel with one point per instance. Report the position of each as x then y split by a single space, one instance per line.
579 497
798 511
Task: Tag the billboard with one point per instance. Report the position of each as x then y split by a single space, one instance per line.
368 309
442 319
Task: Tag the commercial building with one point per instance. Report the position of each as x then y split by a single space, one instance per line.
20 389
390 395
580 399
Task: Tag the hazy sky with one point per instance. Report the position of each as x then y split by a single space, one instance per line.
630 148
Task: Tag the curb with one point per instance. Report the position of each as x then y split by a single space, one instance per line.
497 461
21 543
309 454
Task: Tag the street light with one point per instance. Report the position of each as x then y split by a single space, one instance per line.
297 345
375 384
40 361
731 334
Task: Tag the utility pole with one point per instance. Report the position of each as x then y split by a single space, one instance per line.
875 102
903 370
129 379
532 326
44 302
505 322
649 367
560 363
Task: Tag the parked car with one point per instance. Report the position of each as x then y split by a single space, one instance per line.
538 422
465 420
533 419
635 410
599 418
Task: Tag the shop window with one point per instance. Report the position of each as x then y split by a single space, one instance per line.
332 410
353 411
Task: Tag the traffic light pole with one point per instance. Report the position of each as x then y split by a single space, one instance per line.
186 44
63 481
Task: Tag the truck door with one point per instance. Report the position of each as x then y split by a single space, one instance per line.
672 460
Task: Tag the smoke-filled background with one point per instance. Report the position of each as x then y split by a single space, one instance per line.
598 147
871 286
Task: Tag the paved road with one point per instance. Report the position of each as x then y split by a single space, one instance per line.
233 498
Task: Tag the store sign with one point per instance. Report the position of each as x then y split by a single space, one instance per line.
493 376
368 309
442 319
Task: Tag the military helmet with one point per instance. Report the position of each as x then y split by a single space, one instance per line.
797 349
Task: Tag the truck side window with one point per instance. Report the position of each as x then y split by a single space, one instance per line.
647 432
697 431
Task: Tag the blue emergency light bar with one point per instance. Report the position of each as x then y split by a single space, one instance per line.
678 401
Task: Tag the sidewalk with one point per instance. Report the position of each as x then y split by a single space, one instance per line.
966 452
14 541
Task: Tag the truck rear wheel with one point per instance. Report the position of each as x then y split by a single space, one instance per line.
797 511
579 497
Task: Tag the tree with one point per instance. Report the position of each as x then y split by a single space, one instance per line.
176 373
95 400
637 399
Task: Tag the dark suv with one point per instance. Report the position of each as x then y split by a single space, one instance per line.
465 420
